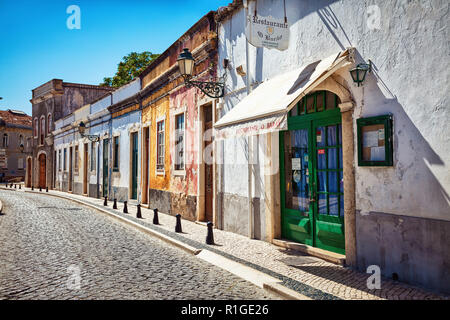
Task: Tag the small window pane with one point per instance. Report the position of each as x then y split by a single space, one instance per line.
334 205
331 133
332 181
310 104
321 181
330 101
323 203
332 161
320 101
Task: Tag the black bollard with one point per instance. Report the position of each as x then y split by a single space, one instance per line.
105 203
32 187
155 216
11 185
46 189
20 186
115 204
125 208
15 186
138 213
40 188
210 236
178 225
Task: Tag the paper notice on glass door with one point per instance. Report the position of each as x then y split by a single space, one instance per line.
296 163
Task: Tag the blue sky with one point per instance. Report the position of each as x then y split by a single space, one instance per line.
36 45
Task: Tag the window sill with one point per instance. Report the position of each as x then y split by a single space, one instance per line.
179 173
160 173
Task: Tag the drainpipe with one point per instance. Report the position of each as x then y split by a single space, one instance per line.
249 141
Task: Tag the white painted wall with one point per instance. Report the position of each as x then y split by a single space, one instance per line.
410 52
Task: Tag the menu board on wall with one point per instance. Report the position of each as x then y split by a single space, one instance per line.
373 143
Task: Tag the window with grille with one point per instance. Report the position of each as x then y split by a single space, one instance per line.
160 146
179 142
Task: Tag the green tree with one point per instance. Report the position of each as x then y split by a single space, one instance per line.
129 68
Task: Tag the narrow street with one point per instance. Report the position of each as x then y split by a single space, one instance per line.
45 241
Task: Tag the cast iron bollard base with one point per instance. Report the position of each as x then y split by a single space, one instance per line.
178 225
115 204
138 213
210 236
46 189
125 208
105 203
155 216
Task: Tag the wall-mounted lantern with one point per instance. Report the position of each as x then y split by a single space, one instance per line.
82 130
21 147
186 65
359 73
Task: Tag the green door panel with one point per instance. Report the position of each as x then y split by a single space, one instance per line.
312 179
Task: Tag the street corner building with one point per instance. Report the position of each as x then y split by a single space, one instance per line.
52 101
16 133
329 137
175 119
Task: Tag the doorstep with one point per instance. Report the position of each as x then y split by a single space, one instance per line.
313 251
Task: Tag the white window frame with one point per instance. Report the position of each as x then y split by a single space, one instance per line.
179 172
160 171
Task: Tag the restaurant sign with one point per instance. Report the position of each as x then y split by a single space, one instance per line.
267 32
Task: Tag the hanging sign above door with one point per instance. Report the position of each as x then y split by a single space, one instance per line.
267 32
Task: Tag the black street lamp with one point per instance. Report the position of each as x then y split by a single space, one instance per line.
82 130
359 73
186 65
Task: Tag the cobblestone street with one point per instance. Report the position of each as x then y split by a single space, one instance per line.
45 239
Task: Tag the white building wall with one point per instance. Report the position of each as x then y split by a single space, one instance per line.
403 211
409 81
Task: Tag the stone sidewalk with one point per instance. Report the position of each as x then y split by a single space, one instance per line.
307 275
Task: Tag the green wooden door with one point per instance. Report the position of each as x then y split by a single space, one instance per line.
105 166
134 165
312 181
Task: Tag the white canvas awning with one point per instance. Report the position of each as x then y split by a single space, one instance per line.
265 108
